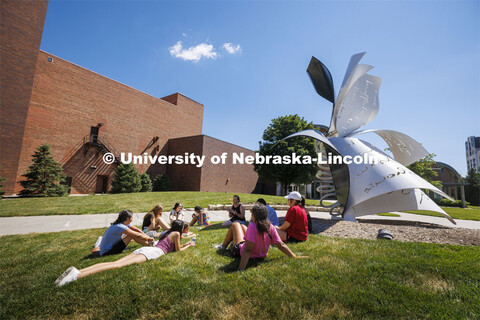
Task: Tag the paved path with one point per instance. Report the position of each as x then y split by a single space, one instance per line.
41 224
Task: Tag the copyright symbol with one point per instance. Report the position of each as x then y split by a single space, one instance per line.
108 158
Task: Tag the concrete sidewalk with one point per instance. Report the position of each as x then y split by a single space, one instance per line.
42 224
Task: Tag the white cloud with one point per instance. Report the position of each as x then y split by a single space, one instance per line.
184 34
232 49
202 50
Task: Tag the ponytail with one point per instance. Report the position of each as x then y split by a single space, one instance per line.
122 216
260 212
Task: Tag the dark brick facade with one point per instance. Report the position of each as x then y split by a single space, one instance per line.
21 34
210 177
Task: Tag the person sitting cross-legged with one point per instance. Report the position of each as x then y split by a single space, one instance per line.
272 214
236 212
295 226
200 216
253 242
169 242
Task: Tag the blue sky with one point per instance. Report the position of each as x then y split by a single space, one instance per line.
426 52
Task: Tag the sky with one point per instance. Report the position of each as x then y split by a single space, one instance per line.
246 61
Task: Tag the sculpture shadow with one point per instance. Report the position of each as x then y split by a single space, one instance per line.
318 225
405 223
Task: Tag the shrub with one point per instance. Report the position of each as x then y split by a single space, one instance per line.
146 183
161 183
126 179
449 203
44 176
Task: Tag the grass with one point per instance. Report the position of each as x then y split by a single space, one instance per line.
142 202
471 213
113 203
343 278
388 214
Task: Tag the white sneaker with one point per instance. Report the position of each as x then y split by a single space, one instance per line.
69 275
99 240
220 246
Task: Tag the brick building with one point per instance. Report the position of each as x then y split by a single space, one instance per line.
82 115
451 182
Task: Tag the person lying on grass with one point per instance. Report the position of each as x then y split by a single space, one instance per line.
169 242
152 222
295 225
119 234
253 242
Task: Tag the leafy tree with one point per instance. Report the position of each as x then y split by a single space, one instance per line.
146 183
126 179
161 183
44 176
424 168
273 144
472 190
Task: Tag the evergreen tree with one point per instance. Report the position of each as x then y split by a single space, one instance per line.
126 179
161 183
472 190
44 176
1 186
146 183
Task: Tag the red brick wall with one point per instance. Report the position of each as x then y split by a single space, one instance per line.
210 177
21 34
242 178
67 100
447 176
185 177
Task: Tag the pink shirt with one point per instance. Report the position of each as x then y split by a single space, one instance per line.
260 243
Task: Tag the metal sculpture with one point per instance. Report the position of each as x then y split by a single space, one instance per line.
364 189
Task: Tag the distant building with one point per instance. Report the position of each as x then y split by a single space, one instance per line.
451 181
472 147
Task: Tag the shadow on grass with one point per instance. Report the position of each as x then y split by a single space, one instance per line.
91 256
235 263
213 226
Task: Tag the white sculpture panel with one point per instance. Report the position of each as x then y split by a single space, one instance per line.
364 189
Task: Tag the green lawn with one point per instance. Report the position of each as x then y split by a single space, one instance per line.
343 278
388 214
112 203
471 213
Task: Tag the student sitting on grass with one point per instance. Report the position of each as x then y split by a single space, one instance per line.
152 222
272 214
176 213
119 235
295 226
253 242
200 216
309 218
169 242
236 212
